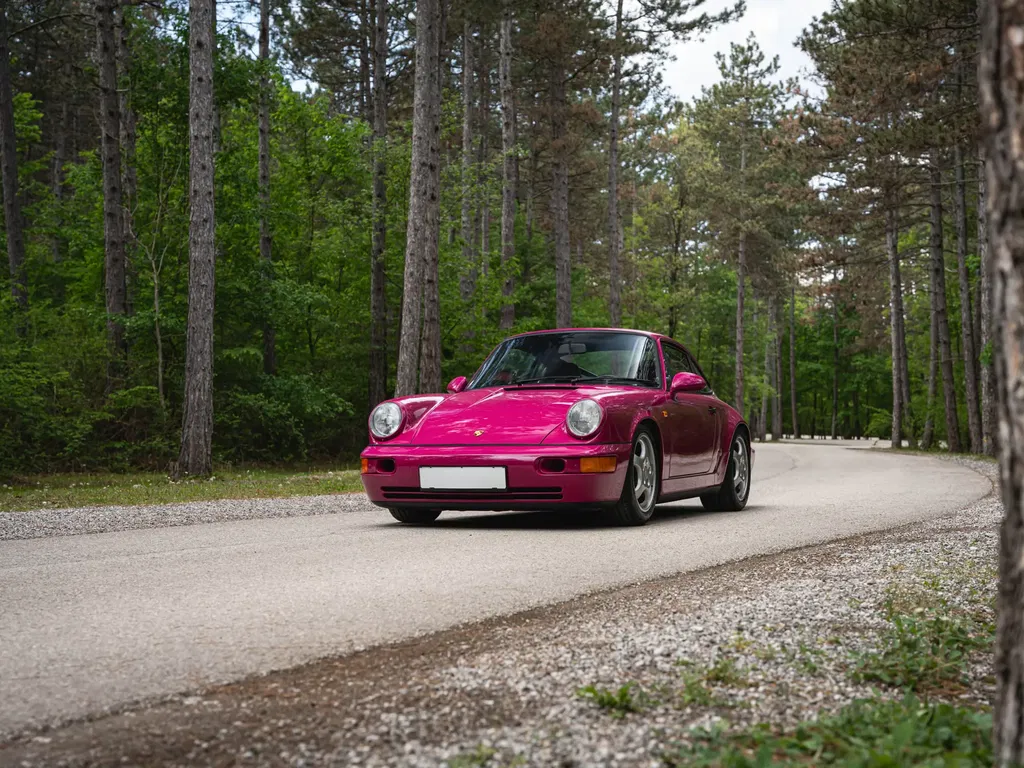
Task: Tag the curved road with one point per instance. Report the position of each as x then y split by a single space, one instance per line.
93 621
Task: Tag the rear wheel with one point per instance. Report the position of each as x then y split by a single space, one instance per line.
413 515
640 490
733 493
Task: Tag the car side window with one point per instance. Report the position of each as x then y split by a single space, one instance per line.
675 361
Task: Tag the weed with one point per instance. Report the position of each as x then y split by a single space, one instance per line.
726 672
925 651
478 758
618 703
866 733
695 691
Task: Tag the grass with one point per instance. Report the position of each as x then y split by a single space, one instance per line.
927 650
866 734
82 489
619 702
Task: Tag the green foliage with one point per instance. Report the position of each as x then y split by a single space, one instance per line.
866 734
626 699
925 650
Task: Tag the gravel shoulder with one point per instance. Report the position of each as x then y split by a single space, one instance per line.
779 629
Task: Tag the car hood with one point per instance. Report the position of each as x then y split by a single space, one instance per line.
495 416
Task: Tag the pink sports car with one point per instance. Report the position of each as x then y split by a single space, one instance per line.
591 418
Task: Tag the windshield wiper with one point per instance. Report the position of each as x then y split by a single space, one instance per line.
610 379
541 379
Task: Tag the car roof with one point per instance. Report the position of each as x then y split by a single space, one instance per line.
650 334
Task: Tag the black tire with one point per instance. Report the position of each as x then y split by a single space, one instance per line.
732 495
413 515
640 494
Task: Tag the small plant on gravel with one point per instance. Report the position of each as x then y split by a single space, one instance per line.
867 733
725 671
478 758
926 651
628 698
696 692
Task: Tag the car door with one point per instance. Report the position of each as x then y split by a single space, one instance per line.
692 420
709 403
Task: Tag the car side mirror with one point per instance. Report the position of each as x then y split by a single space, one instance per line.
457 384
684 381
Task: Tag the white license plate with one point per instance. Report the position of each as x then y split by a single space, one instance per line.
463 478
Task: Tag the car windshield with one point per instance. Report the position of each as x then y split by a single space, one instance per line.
572 357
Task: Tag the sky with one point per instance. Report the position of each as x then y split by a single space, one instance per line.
776 24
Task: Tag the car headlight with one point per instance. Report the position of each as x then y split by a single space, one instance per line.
584 418
385 420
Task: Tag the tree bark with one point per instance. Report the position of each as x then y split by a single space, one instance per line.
430 350
938 267
422 230
266 253
988 372
928 436
792 362
509 180
9 164
378 273
777 359
115 288
129 176
560 198
1001 80
895 289
966 315
467 283
195 457
614 226
835 353
365 98
741 280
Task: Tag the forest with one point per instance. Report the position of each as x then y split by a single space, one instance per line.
232 229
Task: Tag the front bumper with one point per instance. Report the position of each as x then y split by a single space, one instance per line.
533 483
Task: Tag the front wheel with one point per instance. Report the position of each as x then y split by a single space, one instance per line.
640 491
733 493
413 515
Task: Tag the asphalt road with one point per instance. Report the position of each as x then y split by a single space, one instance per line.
94 621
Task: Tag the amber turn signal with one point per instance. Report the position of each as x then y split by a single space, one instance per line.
364 466
598 464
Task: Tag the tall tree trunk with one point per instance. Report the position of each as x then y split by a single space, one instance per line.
430 349
762 422
560 199
422 230
928 437
835 354
741 281
988 372
266 254
777 359
1001 81
895 288
509 180
113 215
467 283
938 266
197 420
129 176
483 166
378 274
614 227
365 98
9 166
908 421
966 315
792 362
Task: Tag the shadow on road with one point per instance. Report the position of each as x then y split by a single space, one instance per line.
562 521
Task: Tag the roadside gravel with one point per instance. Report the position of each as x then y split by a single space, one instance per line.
73 521
766 640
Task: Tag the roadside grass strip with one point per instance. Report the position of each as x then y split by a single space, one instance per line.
60 491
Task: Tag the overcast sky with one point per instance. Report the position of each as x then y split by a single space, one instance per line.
776 23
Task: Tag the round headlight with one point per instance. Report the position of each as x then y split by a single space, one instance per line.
584 418
385 420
